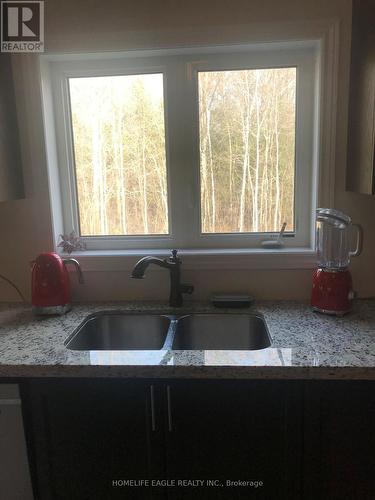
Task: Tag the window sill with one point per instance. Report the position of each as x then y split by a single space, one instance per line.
210 259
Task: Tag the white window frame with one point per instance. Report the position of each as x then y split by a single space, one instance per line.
180 69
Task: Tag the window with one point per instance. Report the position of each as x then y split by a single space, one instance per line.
202 149
119 152
247 155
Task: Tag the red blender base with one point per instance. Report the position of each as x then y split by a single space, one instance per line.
332 291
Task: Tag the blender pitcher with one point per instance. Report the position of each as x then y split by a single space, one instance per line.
334 235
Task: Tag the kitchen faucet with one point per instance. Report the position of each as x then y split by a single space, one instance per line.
173 264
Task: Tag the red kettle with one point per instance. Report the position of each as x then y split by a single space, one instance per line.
50 284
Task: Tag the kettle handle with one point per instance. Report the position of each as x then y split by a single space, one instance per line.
359 243
78 269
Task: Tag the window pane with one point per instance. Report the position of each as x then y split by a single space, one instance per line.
119 147
247 144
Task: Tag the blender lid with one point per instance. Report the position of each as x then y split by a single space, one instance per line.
334 217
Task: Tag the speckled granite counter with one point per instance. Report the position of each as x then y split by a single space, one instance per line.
305 345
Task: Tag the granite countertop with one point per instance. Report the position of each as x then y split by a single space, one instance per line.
305 345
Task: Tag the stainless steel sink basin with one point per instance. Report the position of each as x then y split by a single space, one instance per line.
221 331
119 331
114 330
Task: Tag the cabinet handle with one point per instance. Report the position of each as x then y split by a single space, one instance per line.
169 407
152 404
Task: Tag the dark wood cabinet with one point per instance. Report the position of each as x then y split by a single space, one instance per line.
293 439
339 456
234 430
88 434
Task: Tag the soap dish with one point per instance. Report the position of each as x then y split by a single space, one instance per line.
231 300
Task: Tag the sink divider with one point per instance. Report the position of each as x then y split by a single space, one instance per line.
168 342
172 330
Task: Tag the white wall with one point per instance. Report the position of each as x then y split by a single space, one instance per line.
73 26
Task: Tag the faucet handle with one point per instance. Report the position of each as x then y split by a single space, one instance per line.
174 258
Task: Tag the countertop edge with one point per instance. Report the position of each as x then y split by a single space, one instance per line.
193 372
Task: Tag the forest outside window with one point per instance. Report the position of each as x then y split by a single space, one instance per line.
162 151
247 153
119 151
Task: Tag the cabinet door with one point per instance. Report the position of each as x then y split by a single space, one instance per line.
339 440
88 434
234 431
11 181
361 124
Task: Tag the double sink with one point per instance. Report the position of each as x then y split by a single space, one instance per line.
199 331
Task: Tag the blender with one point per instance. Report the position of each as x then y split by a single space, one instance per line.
332 290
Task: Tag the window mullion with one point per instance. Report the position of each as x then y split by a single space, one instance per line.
181 155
